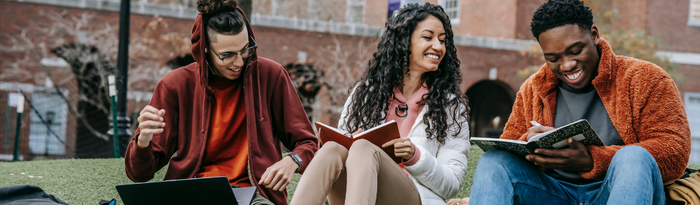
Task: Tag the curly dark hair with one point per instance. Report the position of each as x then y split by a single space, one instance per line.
221 16
557 13
388 67
213 7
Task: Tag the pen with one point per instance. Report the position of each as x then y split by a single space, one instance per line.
535 123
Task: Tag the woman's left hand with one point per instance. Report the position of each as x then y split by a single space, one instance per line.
402 148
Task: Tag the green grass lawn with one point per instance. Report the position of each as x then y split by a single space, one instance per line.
86 181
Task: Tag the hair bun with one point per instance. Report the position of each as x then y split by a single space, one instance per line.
211 7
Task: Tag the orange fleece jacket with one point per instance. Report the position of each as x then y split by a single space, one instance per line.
641 99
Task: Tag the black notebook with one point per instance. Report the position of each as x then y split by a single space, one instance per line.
580 131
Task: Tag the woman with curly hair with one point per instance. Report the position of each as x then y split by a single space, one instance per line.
413 79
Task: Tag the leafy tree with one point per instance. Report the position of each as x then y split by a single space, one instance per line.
627 42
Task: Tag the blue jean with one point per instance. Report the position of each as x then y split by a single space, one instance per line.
633 177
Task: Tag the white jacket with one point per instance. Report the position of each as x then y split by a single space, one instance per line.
439 172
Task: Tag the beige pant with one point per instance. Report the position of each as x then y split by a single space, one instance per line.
362 175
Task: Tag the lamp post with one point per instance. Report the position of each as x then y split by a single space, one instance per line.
20 110
246 6
123 121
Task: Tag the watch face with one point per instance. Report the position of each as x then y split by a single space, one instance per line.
296 158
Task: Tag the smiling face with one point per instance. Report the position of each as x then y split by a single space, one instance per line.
571 53
427 46
231 67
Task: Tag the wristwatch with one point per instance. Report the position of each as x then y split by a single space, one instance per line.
296 159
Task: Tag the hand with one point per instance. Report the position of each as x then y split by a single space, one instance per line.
150 122
534 130
575 158
402 148
357 132
278 176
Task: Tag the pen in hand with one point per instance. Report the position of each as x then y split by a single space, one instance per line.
535 123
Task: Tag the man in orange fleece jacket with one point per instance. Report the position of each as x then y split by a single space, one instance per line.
633 105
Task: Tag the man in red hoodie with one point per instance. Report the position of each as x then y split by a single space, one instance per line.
225 114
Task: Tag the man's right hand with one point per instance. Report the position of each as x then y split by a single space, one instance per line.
534 130
150 122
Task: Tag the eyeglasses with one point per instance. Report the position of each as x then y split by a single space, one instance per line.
244 53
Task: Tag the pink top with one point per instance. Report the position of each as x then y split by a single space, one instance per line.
406 117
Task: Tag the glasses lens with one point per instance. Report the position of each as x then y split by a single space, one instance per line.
228 57
247 53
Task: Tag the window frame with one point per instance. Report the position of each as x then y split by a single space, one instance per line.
691 21
457 9
349 4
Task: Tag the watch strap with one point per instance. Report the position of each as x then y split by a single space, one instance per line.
296 159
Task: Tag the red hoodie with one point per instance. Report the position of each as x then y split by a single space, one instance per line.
274 115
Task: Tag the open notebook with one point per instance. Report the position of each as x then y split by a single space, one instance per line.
557 138
377 135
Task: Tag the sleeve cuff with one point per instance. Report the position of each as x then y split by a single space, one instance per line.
142 153
414 159
601 162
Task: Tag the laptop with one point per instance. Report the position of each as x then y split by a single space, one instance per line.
209 190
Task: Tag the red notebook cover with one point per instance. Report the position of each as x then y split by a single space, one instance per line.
377 135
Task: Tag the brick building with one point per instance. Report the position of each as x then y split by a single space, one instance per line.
491 37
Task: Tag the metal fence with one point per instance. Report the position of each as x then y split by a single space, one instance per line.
55 124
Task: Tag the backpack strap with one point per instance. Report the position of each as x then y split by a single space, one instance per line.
688 172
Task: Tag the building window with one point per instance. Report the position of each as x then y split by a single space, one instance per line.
47 135
452 9
355 11
692 110
694 19
278 8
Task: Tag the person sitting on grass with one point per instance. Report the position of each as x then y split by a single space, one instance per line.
413 79
633 105
225 114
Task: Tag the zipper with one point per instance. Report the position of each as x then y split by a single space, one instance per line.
204 132
251 177
419 119
207 110
548 112
245 97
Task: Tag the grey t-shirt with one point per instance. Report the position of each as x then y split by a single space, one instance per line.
573 105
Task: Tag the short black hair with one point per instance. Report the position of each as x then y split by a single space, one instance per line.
557 13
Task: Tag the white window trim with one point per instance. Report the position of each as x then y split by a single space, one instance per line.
690 14
348 10
277 8
453 21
